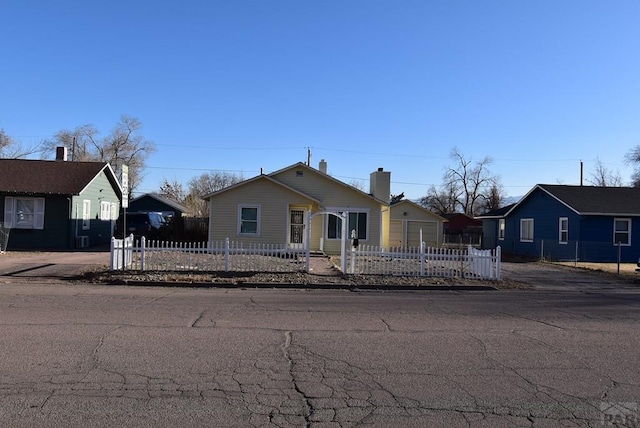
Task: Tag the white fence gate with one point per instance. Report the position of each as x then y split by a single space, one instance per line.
121 253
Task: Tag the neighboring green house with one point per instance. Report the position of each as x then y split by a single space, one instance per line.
58 204
274 209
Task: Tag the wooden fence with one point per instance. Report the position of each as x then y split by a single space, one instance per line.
229 256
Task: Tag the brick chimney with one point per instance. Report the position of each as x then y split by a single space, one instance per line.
61 154
380 185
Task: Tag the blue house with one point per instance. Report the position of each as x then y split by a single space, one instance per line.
558 222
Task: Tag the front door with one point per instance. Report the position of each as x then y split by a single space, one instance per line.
296 228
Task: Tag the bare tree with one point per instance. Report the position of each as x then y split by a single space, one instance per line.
206 184
466 186
5 143
123 146
12 149
358 184
82 143
603 177
633 158
441 201
493 199
173 190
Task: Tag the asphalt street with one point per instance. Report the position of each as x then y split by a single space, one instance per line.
78 354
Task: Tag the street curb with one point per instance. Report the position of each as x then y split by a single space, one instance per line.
262 285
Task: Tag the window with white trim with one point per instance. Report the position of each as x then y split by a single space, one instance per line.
249 220
622 231
105 211
358 221
86 214
23 213
526 230
563 230
501 228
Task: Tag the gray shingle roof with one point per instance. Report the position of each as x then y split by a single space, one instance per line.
597 200
46 177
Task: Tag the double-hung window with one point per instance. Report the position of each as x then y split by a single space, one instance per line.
622 231
249 220
526 230
23 213
358 221
105 211
563 230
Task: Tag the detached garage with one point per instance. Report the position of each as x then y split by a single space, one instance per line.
408 219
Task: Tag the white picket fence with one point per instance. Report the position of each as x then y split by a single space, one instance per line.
468 263
229 256
216 256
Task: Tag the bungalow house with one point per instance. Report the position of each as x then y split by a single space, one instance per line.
410 222
560 222
273 209
58 204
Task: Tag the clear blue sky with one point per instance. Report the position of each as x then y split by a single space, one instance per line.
242 85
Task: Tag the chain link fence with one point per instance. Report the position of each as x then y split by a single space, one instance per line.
570 251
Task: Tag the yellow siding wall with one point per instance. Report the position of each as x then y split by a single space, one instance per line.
274 202
407 219
429 233
334 195
396 235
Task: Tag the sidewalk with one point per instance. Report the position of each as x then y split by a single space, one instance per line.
322 266
51 264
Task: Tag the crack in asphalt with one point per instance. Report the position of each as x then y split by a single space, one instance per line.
289 384
538 389
307 405
198 318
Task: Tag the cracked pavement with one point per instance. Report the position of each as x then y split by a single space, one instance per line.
89 355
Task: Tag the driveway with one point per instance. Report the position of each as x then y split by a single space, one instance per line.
61 265
546 276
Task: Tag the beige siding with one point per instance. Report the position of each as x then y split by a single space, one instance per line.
396 235
408 218
339 196
323 188
406 233
274 202
429 233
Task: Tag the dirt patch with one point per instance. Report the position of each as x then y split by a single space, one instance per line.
622 269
